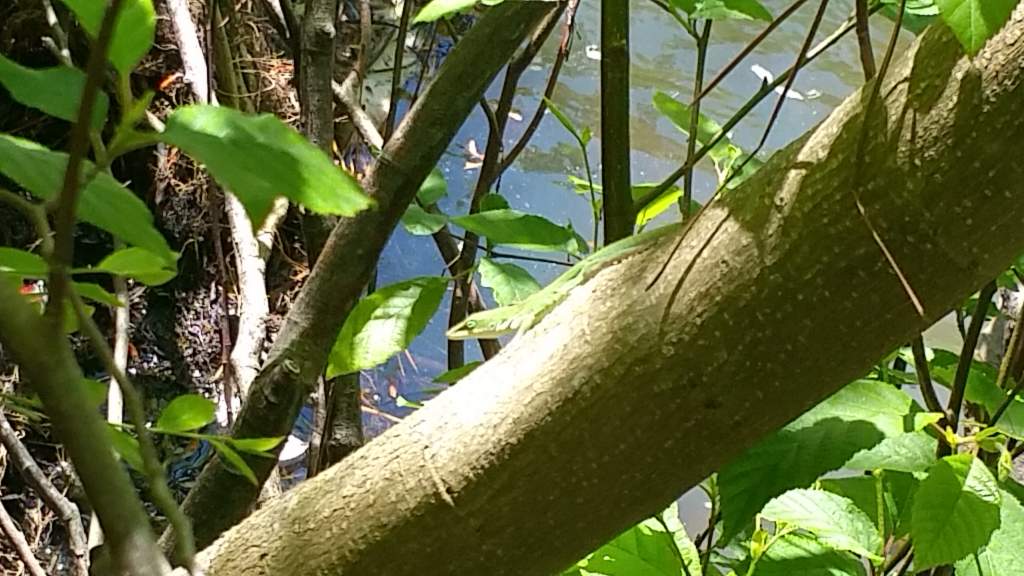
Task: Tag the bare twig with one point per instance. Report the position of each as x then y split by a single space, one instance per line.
963 367
60 38
17 540
691 141
924 378
396 73
40 483
867 55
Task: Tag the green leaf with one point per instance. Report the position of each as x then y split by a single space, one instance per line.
104 202
679 114
256 446
493 202
455 374
509 282
664 201
799 554
186 413
732 10
133 31
687 549
22 263
563 119
835 520
433 188
436 9
385 323
260 158
956 510
981 389
643 550
686 6
910 452
137 263
127 447
973 22
96 390
96 293
1004 553
55 91
514 228
856 418
234 461
419 222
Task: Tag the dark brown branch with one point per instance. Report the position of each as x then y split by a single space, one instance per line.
17 539
867 55
619 214
963 367
924 378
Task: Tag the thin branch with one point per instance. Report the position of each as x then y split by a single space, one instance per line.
396 73
867 55
345 94
619 213
924 378
691 141
963 367
154 469
40 483
60 38
17 539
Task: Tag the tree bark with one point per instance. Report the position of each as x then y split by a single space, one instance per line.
602 413
221 497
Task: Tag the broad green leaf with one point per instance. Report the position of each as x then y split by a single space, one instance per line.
897 496
664 201
419 222
96 293
687 549
56 91
493 202
910 452
137 263
259 157
455 374
1004 553
133 31
981 389
956 510
437 9
433 188
186 413
96 390
856 418
973 22
643 550
21 263
104 203
686 6
799 554
509 282
732 10
385 323
234 461
127 447
835 520
514 228
257 446
918 16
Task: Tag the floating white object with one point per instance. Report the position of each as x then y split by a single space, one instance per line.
767 77
592 52
294 448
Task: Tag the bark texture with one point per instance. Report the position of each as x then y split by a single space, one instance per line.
601 414
221 497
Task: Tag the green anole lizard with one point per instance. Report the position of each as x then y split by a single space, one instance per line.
524 315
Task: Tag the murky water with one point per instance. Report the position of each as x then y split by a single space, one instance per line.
663 58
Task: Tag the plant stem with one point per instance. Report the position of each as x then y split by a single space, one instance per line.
619 214
691 143
963 367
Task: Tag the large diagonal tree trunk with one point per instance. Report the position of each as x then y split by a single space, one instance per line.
600 415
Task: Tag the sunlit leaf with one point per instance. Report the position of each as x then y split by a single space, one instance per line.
56 91
256 446
133 31
835 520
433 188
563 119
455 374
104 202
127 447
385 323
436 9
856 418
956 510
259 158
22 263
137 263
493 202
509 282
186 413
234 461
1004 553
514 228
644 550
973 22
419 222
981 389
96 293
732 10
805 555
910 452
